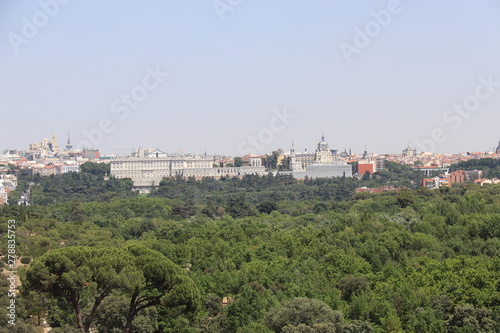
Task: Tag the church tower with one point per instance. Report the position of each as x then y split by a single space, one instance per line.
294 164
498 148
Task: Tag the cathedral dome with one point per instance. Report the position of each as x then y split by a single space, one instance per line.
323 142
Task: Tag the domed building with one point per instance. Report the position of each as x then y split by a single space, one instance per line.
408 152
322 163
323 152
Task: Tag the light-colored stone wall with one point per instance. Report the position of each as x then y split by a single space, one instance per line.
149 172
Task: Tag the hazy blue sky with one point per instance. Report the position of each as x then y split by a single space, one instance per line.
233 68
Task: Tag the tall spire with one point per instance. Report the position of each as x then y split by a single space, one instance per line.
69 146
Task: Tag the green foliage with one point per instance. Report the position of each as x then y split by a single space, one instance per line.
238 162
467 318
299 314
271 161
252 303
352 285
79 275
255 191
238 207
410 261
267 207
97 169
490 166
25 260
285 164
405 199
65 329
398 175
254 328
112 316
72 186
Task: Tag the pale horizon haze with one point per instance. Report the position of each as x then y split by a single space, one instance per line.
233 77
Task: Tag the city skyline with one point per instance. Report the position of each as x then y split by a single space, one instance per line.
241 77
66 144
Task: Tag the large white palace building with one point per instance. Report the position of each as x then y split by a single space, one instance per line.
147 169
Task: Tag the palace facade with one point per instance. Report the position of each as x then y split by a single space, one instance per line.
147 169
324 162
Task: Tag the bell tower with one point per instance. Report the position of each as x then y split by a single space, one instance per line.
294 163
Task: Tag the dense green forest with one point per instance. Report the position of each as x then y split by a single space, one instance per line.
268 245
71 186
93 184
258 254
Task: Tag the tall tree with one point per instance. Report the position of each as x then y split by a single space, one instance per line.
98 169
81 274
238 161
